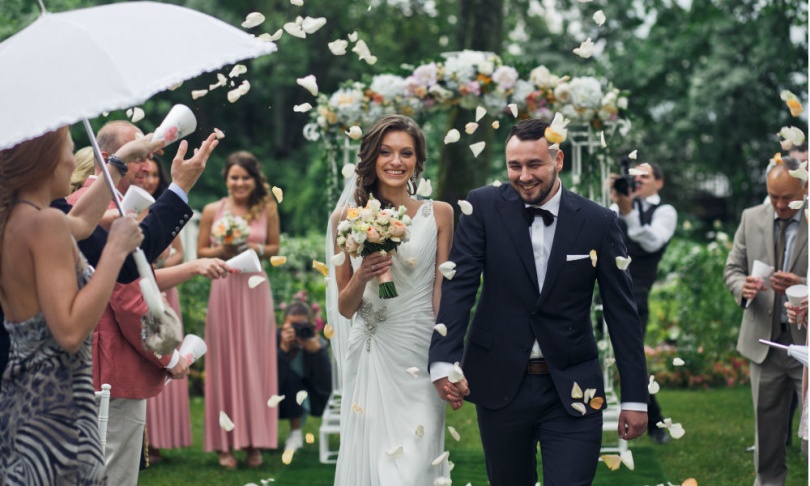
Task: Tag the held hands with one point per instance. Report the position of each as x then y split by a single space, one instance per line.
125 234
632 424
780 281
453 393
186 172
373 266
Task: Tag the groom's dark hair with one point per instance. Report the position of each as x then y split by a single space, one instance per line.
529 129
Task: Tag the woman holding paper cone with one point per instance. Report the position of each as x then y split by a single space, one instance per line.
240 367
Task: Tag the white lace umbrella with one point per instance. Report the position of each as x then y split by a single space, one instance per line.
72 66
796 351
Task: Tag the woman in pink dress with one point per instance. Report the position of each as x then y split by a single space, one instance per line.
240 367
168 424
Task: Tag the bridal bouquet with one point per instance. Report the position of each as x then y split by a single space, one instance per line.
372 229
230 230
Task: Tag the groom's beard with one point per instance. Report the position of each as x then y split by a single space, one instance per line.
545 189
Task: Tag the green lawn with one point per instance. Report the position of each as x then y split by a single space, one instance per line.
718 423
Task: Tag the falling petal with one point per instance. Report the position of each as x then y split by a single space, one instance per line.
198 93
477 148
309 438
321 267
297 3
653 387
301 396
690 482
596 403
633 155
252 20
279 193
353 37
496 183
135 114
234 95
287 456
454 433
444 455
355 133
338 259
221 81
456 374
585 49
357 409
557 131
448 269
294 30
411 262
274 401
599 18
602 136
328 331
219 133
554 146
480 111
579 407
424 189
678 362
394 452
278 260
413 371
309 83
470 128
795 204
302 108
175 86
627 459
622 263
347 170
267 37
443 481
277 35
420 431
676 431
441 329
255 281
589 393
311 25
466 207
363 52
452 136
237 70
244 87
610 361
496 124
798 174
612 461
225 421
594 258
513 108
576 391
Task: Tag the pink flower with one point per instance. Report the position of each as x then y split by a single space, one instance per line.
372 235
397 228
351 245
170 134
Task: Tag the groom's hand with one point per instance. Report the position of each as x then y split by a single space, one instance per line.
632 424
452 393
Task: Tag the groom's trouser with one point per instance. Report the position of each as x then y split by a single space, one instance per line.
569 445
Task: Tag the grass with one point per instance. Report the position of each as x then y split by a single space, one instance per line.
718 423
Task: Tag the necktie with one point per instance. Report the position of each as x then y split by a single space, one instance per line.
532 211
779 256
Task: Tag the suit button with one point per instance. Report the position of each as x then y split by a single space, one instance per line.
174 233
182 221
185 216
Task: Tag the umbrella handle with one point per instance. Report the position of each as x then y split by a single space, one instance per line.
102 166
773 344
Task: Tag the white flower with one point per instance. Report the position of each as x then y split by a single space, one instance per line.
542 78
585 49
465 206
452 136
448 269
425 75
338 47
424 189
389 86
309 83
505 77
252 20
599 17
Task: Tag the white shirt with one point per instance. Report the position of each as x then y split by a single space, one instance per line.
651 237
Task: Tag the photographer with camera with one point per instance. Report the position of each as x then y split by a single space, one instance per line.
647 226
303 364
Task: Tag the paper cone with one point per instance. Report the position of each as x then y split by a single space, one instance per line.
246 262
763 271
194 345
137 199
179 122
796 293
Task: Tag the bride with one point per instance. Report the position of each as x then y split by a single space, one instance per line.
392 421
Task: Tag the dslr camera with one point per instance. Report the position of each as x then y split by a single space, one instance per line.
304 330
625 184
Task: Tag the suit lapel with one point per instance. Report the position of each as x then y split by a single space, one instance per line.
799 244
510 208
767 235
568 230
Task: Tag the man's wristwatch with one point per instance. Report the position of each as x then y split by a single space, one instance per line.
119 164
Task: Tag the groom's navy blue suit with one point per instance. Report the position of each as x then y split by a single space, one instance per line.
511 314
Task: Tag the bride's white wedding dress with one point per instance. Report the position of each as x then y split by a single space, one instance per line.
392 423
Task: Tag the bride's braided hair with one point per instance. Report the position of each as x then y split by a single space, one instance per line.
370 149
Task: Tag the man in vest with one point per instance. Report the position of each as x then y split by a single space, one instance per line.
647 226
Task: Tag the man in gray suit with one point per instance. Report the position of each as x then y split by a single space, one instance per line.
776 235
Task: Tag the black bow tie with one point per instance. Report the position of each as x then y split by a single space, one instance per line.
532 211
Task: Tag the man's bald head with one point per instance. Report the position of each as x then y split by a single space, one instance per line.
113 135
783 188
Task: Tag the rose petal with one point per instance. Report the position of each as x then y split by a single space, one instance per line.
477 148
198 93
678 362
594 257
294 30
443 481
279 193
420 431
234 95
454 433
632 155
353 37
277 35
513 108
452 136
599 18
585 49
554 146
287 456
470 128
225 421
221 81
496 183
579 407
301 396
255 281
448 269
627 459
338 47
798 174
442 457
795 204
278 260
219 133
338 259
676 431
347 170
328 331
394 452
309 83
456 374
653 387
612 461
321 267
589 393
355 133
496 124
135 114
311 25
252 20
244 87
424 189
309 438
596 403
175 86
610 361
602 136
297 3
480 111
622 263
237 70
466 207
413 371
302 108
576 391
275 400
441 329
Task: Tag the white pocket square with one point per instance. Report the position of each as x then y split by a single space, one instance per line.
571 258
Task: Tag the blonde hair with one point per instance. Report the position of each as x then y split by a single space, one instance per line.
85 167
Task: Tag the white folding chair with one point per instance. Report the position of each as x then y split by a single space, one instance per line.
103 413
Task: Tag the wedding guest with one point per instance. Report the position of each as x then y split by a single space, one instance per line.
47 402
797 314
303 365
168 423
240 367
387 393
85 167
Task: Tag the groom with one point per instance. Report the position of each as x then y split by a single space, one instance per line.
541 248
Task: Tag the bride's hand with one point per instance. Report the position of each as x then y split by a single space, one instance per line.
374 265
453 393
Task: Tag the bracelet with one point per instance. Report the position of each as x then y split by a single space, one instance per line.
119 164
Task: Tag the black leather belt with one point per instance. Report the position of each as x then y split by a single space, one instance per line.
537 367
